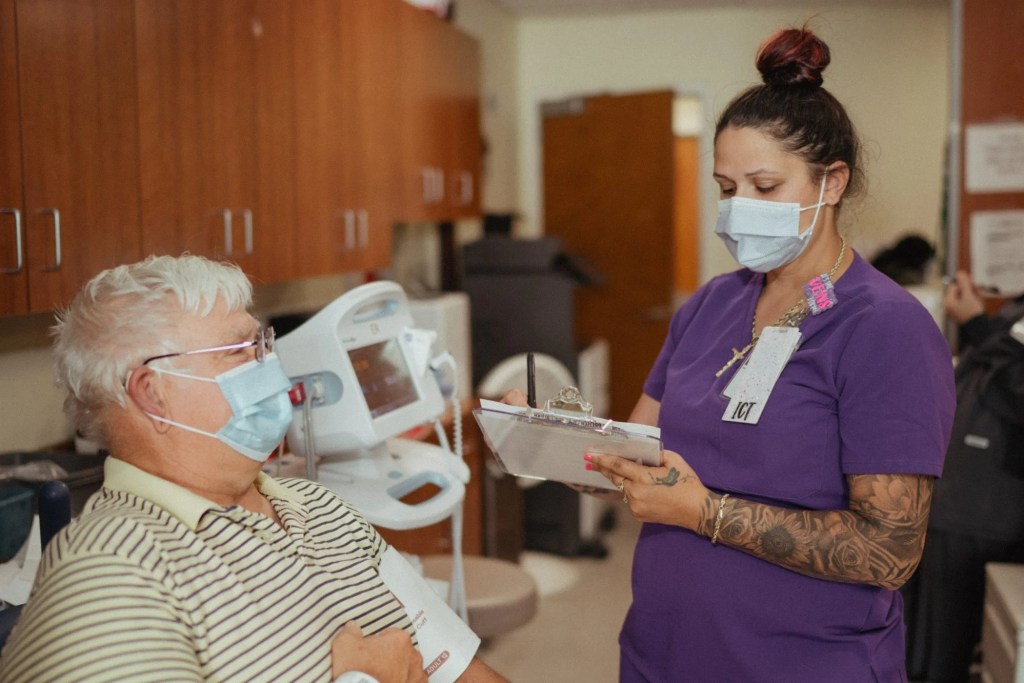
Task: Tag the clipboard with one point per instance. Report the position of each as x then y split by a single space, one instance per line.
549 443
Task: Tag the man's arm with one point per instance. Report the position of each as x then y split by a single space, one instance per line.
97 617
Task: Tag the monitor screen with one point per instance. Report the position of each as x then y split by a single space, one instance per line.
383 376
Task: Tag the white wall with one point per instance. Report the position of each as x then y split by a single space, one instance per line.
889 68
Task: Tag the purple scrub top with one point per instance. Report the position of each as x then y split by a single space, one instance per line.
869 391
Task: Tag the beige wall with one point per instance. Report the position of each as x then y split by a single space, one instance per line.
890 69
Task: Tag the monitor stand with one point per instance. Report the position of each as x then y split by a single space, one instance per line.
375 482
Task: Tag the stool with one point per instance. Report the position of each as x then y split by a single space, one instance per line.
499 595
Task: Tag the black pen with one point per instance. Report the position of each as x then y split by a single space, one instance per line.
531 386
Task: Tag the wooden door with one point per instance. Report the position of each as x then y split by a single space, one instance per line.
196 74
79 144
608 194
13 271
992 78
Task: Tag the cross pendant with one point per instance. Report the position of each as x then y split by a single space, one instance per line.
736 355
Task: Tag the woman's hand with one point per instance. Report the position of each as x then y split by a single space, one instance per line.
515 398
670 494
388 656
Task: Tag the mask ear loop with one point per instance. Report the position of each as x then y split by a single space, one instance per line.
817 207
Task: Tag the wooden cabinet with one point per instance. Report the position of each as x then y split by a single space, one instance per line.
73 103
441 128
272 133
13 274
346 109
203 74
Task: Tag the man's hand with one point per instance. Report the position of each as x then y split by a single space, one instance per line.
388 656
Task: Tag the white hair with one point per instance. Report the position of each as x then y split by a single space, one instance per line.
127 314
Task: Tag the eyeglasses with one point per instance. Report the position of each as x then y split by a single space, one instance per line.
263 344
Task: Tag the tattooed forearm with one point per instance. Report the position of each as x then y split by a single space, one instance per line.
878 540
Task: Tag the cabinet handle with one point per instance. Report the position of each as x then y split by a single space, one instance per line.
56 239
364 229
247 218
350 230
466 188
428 184
229 237
20 260
439 187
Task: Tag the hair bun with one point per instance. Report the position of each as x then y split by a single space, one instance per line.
793 57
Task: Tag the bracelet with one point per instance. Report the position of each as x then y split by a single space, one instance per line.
718 518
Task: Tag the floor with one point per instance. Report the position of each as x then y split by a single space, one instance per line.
574 635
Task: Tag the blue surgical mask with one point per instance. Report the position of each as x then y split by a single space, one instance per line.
261 410
764 235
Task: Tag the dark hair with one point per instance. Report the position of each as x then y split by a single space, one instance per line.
793 108
906 261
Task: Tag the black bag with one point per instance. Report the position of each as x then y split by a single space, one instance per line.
981 491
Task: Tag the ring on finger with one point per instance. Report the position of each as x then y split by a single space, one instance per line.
621 485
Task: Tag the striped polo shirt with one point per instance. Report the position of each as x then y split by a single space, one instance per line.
155 583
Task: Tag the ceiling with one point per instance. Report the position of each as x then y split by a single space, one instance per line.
569 7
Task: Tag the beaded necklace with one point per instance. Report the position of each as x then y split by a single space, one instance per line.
791 318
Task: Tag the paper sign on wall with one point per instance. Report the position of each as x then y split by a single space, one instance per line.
994 157
997 250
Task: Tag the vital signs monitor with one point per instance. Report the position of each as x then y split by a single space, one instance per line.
365 372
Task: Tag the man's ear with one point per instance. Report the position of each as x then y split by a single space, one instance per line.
145 389
837 177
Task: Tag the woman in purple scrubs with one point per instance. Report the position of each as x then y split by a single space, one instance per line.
805 403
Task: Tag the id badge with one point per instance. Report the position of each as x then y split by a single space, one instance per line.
750 387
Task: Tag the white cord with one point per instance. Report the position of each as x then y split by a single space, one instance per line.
457 590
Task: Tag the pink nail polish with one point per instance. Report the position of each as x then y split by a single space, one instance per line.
587 457
589 466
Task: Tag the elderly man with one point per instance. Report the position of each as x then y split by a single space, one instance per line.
190 563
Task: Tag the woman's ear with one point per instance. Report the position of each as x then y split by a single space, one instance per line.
837 177
146 391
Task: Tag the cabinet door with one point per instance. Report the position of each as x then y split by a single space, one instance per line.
326 230
422 102
197 118
13 273
79 144
462 55
374 148
275 223
440 118
346 149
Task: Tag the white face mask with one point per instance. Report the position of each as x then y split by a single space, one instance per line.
764 235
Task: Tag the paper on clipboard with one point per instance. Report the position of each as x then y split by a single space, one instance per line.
541 445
